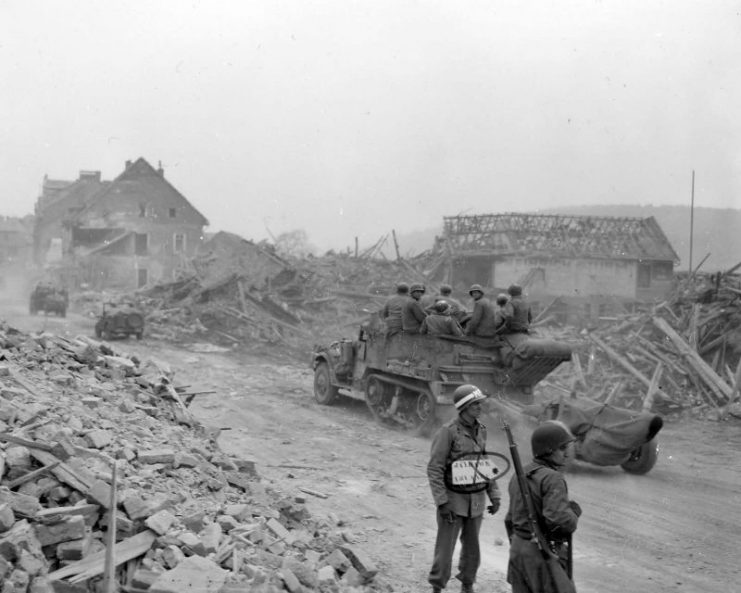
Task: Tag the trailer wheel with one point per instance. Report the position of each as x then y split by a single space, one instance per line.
324 391
641 460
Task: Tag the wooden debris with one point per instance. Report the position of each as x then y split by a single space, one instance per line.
314 493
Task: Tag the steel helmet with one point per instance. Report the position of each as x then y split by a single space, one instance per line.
402 288
515 290
446 289
465 395
442 307
417 288
548 437
475 288
502 299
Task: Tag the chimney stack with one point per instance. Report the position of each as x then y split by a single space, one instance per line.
128 164
160 170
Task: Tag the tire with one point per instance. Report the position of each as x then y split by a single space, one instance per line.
425 414
324 392
135 322
377 399
643 459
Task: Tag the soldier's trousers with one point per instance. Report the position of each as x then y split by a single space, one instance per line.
470 557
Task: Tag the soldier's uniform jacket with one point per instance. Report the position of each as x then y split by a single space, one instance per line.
517 315
437 325
550 497
412 316
392 311
482 322
451 441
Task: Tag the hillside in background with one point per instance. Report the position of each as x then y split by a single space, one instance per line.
717 231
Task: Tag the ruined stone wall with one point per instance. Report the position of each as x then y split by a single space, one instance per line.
571 277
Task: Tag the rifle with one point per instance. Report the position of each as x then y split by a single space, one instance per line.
560 579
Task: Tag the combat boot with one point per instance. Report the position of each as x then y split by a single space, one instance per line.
467 588
436 589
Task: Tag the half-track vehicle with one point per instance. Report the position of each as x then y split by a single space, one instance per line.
410 379
48 298
119 322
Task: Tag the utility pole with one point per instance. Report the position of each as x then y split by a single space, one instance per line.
692 220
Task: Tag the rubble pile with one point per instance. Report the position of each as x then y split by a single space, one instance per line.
312 301
97 447
671 356
682 353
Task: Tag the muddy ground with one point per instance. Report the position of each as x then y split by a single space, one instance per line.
674 529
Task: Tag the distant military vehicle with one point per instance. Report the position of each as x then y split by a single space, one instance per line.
118 322
48 298
410 379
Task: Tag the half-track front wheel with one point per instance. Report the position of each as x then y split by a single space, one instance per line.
324 391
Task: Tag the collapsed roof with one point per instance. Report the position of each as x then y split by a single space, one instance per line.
556 235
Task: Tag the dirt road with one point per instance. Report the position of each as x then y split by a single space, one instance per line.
675 529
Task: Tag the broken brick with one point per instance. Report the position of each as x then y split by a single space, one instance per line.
21 504
156 456
338 561
19 537
290 581
7 518
97 439
100 493
210 537
74 549
68 529
192 574
143 578
172 556
160 522
138 508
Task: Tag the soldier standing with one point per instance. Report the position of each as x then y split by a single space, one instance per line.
459 513
552 445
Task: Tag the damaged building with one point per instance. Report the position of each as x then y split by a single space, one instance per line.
580 266
127 233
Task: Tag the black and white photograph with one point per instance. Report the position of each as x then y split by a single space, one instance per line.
370 296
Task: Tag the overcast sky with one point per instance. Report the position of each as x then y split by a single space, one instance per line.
349 118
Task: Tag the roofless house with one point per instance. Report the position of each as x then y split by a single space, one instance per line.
591 265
